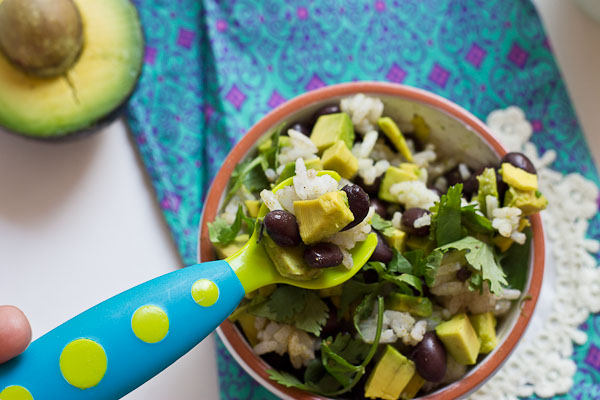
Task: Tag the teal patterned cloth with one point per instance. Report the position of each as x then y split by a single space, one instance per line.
213 68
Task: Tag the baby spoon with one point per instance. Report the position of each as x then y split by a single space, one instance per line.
117 345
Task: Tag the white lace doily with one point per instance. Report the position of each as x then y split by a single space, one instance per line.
541 363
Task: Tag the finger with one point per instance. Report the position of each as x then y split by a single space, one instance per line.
15 332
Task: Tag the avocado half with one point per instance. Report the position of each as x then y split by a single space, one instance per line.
66 66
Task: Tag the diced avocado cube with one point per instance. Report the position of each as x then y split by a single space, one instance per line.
420 242
405 172
253 206
397 240
332 291
322 217
268 290
415 305
518 178
528 202
504 243
227 250
421 128
485 327
267 144
289 261
290 168
390 376
340 159
246 321
412 388
487 187
391 130
459 339
331 128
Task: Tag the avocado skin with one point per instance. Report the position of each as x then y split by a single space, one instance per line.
100 123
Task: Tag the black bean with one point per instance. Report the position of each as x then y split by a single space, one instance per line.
430 358
502 187
470 184
358 200
463 273
372 189
333 325
383 253
519 160
330 109
408 221
303 129
380 207
282 227
323 255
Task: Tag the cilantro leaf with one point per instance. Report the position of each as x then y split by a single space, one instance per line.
287 301
515 262
481 257
271 154
399 264
383 226
364 310
340 355
352 291
288 380
249 173
474 222
431 265
446 217
220 231
316 375
402 281
294 306
416 258
314 316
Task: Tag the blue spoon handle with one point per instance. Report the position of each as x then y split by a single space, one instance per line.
117 345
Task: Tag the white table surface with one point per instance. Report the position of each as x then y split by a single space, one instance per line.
79 221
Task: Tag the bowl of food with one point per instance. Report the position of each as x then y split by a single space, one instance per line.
455 276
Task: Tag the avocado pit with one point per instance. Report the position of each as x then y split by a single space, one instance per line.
41 37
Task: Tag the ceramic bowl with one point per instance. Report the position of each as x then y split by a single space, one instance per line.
456 132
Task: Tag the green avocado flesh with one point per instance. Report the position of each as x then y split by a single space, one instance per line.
96 85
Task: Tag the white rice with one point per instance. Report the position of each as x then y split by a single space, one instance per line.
396 325
414 194
271 174
464 172
364 111
506 220
270 200
424 220
308 185
346 240
282 338
491 204
397 220
369 170
300 147
364 148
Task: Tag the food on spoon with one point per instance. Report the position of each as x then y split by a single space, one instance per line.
66 66
428 304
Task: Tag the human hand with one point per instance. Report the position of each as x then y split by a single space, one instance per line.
15 332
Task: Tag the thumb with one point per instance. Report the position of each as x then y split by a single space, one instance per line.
15 332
